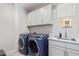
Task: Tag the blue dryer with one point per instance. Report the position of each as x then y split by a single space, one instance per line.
23 43
38 44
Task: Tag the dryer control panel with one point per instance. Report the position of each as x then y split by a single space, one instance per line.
38 36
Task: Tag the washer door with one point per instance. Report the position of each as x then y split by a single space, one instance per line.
21 43
33 48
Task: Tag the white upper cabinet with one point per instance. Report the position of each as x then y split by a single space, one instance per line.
45 15
41 16
31 18
66 10
38 17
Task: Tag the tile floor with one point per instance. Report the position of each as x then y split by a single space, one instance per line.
15 53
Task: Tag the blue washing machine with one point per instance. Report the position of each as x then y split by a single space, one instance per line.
38 44
23 43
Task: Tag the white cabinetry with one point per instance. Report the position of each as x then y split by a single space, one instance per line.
56 50
66 10
72 49
41 16
31 18
71 52
60 48
38 17
46 14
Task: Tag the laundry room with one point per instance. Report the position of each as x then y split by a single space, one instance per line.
39 29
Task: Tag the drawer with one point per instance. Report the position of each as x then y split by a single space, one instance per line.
72 46
57 43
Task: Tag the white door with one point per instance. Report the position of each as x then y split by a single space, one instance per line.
46 14
38 17
72 52
56 51
31 18
66 10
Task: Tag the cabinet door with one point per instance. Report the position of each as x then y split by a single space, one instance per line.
65 10
33 14
31 18
72 52
56 51
73 46
46 14
38 17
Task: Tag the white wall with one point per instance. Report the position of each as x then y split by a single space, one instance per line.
21 18
12 23
20 21
66 10
7 28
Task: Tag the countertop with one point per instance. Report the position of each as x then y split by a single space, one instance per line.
63 40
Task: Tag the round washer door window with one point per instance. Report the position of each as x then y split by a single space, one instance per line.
33 47
21 43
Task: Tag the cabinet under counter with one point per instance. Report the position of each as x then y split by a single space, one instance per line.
61 47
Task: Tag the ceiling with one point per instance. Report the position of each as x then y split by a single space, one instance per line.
33 6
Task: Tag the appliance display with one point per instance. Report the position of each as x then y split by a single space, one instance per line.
23 43
38 44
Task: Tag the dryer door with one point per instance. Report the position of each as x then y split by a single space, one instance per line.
33 48
21 43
